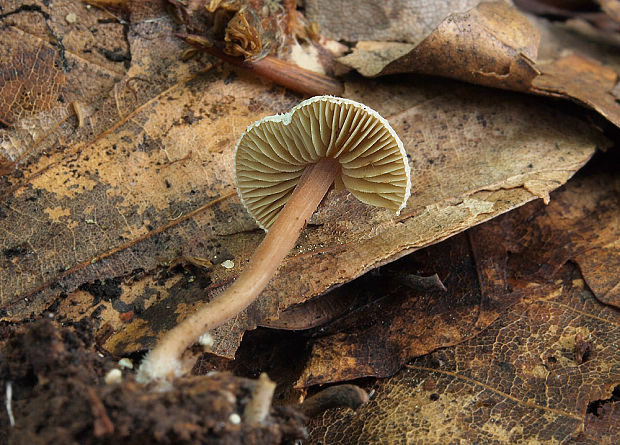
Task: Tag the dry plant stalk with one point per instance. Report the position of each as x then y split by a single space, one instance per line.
286 74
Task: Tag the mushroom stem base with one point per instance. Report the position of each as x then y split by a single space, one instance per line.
163 361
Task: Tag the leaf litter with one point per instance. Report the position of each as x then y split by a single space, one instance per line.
491 44
131 210
544 370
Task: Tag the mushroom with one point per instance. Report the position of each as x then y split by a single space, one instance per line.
284 166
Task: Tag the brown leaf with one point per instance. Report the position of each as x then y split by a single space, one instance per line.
577 37
517 382
585 80
486 270
611 8
31 82
47 63
155 182
349 245
475 46
488 155
390 20
398 323
574 9
315 312
492 44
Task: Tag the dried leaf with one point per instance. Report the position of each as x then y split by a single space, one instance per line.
490 268
45 61
585 80
611 8
398 323
475 46
155 183
518 382
390 20
576 37
126 216
31 82
492 44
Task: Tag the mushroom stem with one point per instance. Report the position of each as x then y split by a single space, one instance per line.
164 360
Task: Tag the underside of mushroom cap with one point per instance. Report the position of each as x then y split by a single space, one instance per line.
273 153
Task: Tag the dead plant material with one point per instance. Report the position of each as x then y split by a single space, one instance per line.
31 82
339 396
243 38
286 74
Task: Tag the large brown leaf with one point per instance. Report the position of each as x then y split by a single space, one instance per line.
543 372
346 239
156 183
485 271
491 44
389 20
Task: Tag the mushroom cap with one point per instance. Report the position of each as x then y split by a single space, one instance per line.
273 153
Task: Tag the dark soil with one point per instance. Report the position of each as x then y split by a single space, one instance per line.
59 396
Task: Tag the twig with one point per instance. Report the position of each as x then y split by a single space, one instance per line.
283 73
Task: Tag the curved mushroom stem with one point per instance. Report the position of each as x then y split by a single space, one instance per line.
164 360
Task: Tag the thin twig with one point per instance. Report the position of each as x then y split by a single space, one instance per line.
283 73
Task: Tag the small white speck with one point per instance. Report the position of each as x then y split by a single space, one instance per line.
228 264
235 419
125 363
206 339
71 17
100 354
113 376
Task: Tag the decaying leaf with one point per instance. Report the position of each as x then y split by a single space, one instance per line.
475 46
517 382
485 271
491 44
45 61
159 184
583 79
390 20
30 83
152 181
353 252
576 37
611 8
393 323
